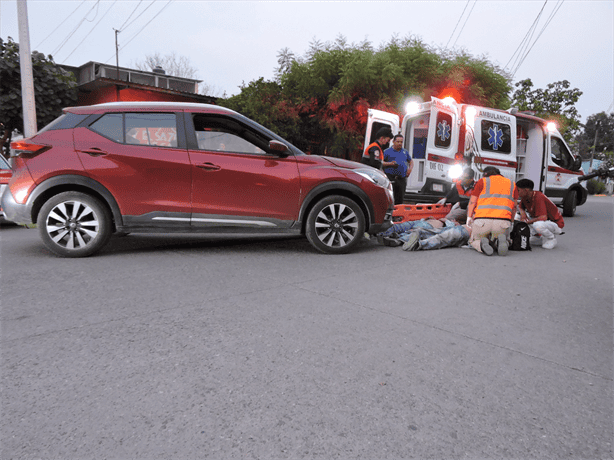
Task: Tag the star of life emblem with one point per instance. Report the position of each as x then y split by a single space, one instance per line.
495 139
443 130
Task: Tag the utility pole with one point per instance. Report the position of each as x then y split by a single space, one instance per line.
117 65
27 76
590 165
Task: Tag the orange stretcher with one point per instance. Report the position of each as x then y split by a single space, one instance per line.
409 212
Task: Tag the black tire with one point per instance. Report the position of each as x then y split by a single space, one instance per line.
73 224
335 225
569 205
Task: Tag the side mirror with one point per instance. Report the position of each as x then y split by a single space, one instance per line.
278 147
577 164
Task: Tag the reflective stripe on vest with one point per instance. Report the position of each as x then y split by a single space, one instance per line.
461 191
379 155
496 200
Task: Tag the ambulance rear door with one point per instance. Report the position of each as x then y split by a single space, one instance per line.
377 120
495 136
441 146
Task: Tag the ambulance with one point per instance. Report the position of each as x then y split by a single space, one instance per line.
444 137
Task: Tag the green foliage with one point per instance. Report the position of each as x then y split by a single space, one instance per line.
555 102
595 187
598 135
333 85
54 88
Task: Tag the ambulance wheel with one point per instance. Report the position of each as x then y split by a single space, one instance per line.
569 205
335 225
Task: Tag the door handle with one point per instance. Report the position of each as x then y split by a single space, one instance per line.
94 151
209 166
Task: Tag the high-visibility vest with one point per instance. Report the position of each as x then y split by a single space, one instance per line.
496 200
379 154
461 191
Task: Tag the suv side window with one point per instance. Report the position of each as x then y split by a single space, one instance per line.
110 125
559 153
223 134
158 129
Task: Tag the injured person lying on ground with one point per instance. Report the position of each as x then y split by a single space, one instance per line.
425 234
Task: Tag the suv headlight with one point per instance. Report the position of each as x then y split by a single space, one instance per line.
375 176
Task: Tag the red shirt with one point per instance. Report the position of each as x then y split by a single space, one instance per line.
540 205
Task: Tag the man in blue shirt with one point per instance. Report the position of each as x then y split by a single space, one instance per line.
400 169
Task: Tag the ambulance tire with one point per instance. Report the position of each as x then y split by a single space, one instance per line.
569 205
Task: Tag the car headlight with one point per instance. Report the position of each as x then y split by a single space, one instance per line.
375 176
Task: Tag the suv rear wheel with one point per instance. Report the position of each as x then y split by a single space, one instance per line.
73 224
335 225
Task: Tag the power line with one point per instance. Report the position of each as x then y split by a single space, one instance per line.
133 11
141 29
77 27
458 22
60 25
526 39
91 30
556 9
464 23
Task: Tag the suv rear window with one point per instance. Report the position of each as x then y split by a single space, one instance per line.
159 129
65 121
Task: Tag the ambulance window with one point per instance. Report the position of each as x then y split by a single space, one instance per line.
416 136
496 137
376 127
559 153
443 134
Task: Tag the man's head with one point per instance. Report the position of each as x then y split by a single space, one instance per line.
491 171
525 188
467 176
397 142
383 136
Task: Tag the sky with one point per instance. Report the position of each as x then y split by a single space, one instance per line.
235 42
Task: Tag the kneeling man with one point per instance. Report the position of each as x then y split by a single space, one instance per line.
540 213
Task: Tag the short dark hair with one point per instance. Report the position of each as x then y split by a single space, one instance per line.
397 135
383 132
491 171
468 172
525 183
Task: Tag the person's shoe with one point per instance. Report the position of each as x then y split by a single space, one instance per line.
486 247
549 243
502 245
391 242
535 241
412 242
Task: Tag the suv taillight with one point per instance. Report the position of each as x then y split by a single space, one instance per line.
27 149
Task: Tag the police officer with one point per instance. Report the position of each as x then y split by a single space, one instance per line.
374 153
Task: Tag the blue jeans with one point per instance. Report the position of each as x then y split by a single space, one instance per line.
437 238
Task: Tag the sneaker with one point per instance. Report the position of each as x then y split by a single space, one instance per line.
413 243
486 247
549 243
502 245
535 241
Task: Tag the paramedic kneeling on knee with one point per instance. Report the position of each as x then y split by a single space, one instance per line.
490 213
543 216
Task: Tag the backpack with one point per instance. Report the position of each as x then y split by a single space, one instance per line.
520 234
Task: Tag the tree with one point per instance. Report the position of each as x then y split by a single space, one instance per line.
598 135
173 64
327 92
54 89
555 102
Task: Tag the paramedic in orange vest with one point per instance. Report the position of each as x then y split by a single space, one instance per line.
459 196
491 211
374 153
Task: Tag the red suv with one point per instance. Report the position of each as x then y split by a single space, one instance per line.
179 167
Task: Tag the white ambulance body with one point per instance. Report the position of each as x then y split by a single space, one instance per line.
443 137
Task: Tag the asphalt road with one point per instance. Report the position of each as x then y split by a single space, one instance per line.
187 347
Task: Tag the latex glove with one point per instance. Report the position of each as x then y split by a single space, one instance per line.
456 206
469 221
442 201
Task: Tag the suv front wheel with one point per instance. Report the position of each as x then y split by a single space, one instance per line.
335 225
73 224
